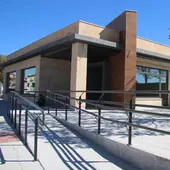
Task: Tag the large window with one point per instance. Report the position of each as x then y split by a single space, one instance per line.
11 85
29 76
152 79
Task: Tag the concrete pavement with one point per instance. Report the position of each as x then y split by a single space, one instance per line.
59 147
13 154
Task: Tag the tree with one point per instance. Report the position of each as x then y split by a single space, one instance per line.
2 59
142 70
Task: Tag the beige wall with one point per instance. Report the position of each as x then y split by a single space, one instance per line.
153 46
73 28
153 63
78 70
95 31
32 62
55 74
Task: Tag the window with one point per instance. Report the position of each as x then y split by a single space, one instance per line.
152 79
29 80
11 81
33 84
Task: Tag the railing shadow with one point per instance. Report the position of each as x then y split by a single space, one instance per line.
63 144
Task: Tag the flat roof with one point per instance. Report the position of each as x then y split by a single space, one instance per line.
65 40
70 34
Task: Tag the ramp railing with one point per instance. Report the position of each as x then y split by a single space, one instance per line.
19 111
129 108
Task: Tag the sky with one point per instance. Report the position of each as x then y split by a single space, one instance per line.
22 22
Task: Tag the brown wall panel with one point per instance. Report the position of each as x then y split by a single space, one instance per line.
123 64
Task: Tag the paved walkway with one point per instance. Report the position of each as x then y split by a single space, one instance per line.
142 139
13 154
59 148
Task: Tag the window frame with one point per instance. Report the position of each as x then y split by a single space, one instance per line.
23 82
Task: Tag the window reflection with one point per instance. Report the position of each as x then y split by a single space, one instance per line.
152 79
11 81
29 80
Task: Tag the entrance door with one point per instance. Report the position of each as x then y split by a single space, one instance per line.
94 79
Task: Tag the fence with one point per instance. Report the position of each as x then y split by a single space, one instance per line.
19 103
64 100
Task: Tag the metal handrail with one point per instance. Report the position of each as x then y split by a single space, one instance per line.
114 102
116 108
12 115
31 104
114 91
116 121
99 105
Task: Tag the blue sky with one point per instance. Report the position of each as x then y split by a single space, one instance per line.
23 22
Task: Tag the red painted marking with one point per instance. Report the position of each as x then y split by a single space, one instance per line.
8 138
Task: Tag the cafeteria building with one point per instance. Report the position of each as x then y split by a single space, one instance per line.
86 56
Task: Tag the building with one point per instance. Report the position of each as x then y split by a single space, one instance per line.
29 83
85 56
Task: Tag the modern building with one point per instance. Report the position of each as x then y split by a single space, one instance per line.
85 56
29 83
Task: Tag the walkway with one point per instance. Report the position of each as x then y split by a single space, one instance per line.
59 148
13 154
142 139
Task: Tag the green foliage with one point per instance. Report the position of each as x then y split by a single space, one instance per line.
148 73
2 59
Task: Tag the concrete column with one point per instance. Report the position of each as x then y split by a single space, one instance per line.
123 64
18 80
78 70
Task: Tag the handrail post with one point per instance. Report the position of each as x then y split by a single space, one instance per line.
79 121
34 96
99 114
130 121
26 126
48 109
99 119
19 124
66 110
9 107
56 108
12 110
43 114
36 139
15 115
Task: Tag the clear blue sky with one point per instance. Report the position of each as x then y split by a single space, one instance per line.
23 22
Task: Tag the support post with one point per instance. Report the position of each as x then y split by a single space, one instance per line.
130 121
79 123
26 126
19 124
78 71
56 110
43 117
66 110
15 116
36 139
12 110
99 119
34 97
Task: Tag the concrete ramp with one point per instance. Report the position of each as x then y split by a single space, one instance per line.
60 148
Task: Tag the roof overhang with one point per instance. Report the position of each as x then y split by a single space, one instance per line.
63 41
149 54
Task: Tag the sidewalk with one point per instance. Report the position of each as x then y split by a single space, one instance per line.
148 141
13 154
59 148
